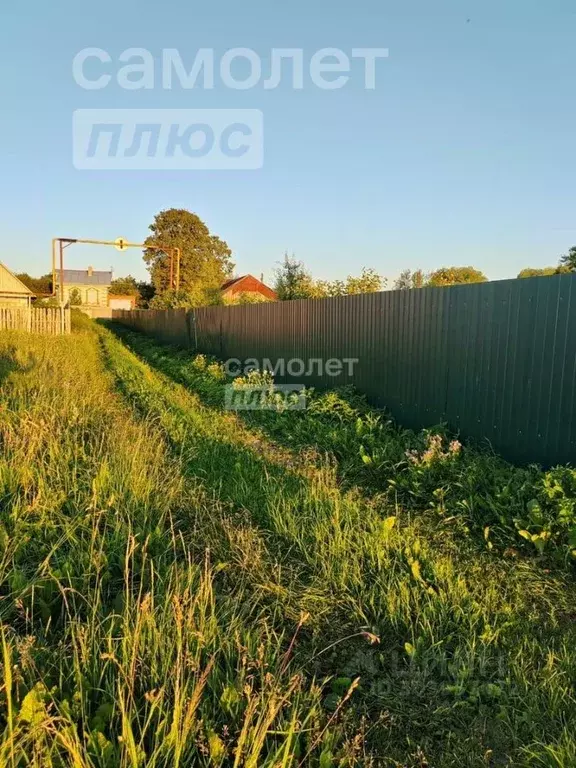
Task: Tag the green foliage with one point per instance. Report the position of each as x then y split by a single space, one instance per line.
455 276
129 286
182 586
127 638
125 286
409 279
173 300
537 272
75 298
428 470
566 264
185 299
205 259
36 284
39 303
369 281
457 620
293 281
444 276
569 260
80 320
147 293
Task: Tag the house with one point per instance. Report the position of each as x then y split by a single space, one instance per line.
13 292
247 284
88 285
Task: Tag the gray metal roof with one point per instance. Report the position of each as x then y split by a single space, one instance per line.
82 277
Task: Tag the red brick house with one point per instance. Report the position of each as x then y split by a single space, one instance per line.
247 284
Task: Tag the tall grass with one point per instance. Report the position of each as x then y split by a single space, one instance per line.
177 589
465 490
120 646
465 657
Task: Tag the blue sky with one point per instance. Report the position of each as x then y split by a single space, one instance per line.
464 153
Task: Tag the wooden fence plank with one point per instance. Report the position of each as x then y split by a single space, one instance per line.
51 321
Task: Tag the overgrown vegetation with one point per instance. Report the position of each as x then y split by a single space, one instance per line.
566 264
444 276
293 281
39 285
182 587
463 489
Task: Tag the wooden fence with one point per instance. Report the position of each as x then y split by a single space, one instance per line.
47 320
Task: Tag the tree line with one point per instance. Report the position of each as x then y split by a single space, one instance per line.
206 263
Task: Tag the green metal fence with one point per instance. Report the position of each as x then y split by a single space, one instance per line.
496 361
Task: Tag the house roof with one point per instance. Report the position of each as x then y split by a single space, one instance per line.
83 277
10 285
252 285
230 283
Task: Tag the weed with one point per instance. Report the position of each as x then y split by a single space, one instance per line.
466 487
181 586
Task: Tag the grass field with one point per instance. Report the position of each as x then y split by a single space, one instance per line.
181 586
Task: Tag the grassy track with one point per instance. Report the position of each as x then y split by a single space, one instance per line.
178 589
464 492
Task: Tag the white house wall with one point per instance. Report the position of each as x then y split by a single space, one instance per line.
97 297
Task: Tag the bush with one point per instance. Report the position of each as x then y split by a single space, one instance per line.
466 486
75 298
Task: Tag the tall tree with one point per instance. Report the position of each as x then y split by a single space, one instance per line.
455 276
368 281
205 258
36 284
569 259
175 300
124 286
293 281
129 286
147 293
408 279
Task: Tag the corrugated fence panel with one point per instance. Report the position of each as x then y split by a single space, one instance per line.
496 361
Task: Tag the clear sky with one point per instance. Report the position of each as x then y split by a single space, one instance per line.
465 153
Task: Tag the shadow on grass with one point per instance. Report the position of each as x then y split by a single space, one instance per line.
468 507
370 452
293 429
254 473
306 546
9 363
